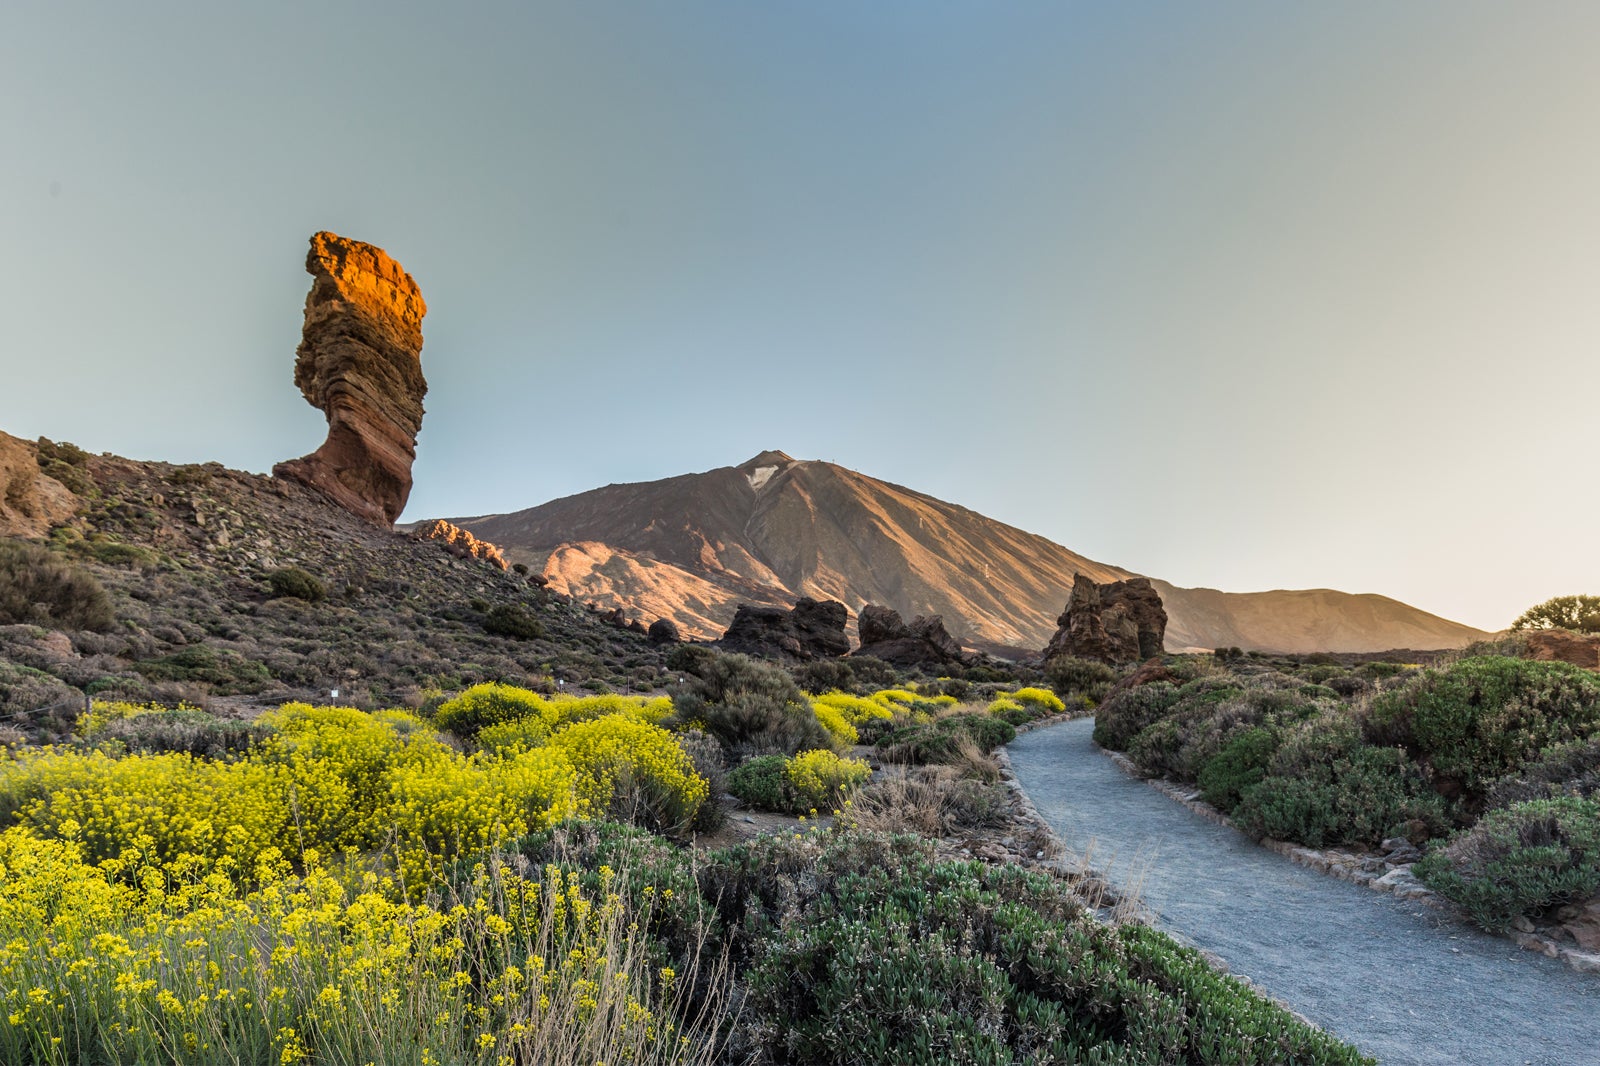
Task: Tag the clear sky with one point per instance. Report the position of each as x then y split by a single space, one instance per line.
1240 295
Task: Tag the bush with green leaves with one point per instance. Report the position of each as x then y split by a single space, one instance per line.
810 781
512 620
39 588
1519 861
1208 714
291 582
224 671
1073 677
1325 786
865 949
1128 713
1241 763
1478 719
940 740
750 706
148 730
1571 769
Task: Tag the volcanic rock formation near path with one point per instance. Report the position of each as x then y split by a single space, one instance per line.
1118 622
923 641
694 547
360 363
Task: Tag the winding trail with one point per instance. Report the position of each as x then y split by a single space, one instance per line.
1397 979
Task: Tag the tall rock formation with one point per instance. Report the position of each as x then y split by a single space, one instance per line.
30 501
1118 622
360 363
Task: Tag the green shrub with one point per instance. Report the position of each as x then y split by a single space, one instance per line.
865 949
1521 860
1072 677
513 620
37 588
1479 719
939 741
1122 717
1363 796
1571 769
291 582
1580 614
226 672
183 729
752 707
759 782
1242 762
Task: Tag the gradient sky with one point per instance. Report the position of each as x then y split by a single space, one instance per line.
1240 295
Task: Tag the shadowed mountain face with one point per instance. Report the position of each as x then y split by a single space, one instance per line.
691 548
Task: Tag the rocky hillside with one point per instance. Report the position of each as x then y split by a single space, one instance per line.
772 529
188 557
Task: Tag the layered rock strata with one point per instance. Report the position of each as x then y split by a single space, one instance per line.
359 362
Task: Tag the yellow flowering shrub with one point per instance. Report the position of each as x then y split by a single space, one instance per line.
821 780
193 966
507 737
104 712
855 709
1040 698
636 770
565 710
839 728
1005 703
488 704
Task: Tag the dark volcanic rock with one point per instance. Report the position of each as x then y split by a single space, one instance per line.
360 363
921 642
1119 622
813 630
664 631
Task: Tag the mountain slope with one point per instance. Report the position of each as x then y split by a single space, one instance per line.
693 547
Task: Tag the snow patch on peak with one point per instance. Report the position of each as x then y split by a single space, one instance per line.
760 476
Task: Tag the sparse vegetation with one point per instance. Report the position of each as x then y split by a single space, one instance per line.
38 588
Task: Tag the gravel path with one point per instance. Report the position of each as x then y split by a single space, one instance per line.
1399 980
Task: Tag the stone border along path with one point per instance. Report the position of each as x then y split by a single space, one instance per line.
1401 981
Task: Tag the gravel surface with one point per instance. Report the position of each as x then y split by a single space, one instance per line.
1400 980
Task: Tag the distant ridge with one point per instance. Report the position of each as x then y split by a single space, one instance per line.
693 547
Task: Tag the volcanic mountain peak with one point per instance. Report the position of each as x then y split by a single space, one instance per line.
774 528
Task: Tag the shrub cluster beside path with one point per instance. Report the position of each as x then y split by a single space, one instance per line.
1398 979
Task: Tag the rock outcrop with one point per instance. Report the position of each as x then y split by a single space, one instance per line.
923 641
1118 622
459 542
664 631
360 363
814 629
31 502
1559 645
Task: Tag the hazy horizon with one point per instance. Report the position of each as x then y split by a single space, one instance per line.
1240 296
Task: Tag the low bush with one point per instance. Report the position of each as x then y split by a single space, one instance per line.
1041 699
1125 715
1571 769
148 730
1241 763
633 771
839 728
223 671
513 620
291 582
1478 719
810 781
750 706
487 704
1521 860
1325 786
1073 677
873 951
38 588
940 740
